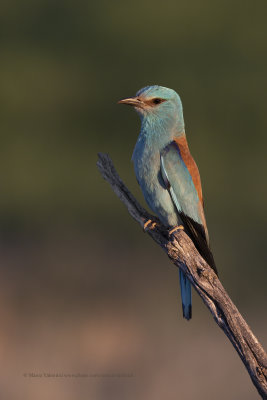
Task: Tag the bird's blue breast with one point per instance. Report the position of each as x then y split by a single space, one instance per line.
146 158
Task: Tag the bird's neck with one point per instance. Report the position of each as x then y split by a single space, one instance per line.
158 133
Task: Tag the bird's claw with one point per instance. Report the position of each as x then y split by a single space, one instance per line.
147 223
175 229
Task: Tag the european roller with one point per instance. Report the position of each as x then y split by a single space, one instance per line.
167 173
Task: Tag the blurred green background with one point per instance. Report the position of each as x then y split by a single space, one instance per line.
82 288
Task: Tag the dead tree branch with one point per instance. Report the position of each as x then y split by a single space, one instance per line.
181 250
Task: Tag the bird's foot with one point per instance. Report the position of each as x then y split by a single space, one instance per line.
175 229
147 225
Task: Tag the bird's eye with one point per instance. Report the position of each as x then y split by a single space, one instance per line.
157 101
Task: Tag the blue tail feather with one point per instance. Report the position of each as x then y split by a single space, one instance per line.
186 295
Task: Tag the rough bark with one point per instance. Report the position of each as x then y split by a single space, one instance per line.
182 252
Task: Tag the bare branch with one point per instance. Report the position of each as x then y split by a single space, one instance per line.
181 250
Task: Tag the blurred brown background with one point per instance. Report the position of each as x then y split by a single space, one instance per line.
82 289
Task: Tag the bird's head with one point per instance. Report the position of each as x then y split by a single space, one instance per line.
158 104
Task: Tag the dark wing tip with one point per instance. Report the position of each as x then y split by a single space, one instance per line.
197 233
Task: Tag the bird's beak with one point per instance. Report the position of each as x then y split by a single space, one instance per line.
132 101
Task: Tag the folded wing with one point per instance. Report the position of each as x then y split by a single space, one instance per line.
181 177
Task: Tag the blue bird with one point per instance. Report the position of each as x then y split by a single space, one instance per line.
167 173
